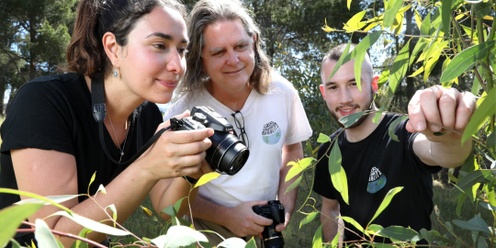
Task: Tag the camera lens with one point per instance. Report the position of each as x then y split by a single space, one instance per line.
227 154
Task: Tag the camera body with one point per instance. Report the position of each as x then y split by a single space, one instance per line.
227 154
273 210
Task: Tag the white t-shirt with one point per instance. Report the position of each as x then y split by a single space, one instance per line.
271 121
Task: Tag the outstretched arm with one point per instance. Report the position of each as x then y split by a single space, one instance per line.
441 115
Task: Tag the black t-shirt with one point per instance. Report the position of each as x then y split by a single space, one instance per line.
373 166
55 113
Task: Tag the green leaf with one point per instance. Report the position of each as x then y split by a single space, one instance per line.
385 202
294 184
43 235
12 217
446 16
393 127
79 243
297 167
309 218
47 200
392 8
91 181
349 120
486 109
360 50
400 233
474 224
399 67
466 182
353 223
338 175
359 53
323 138
434 52
91 224
251 243
466 59
179 236
317 238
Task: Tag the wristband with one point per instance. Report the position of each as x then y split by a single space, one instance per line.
190 180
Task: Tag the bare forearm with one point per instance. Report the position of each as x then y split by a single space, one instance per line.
445 152
168 191
126 193
210 211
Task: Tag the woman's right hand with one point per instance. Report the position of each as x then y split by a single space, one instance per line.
177 153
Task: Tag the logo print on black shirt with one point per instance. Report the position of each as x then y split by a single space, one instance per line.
376 180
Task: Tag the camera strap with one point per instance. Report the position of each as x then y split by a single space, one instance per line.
100 111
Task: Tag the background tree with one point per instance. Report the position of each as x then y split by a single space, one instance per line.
34 39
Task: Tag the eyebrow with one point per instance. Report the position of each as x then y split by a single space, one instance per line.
165 37
333 82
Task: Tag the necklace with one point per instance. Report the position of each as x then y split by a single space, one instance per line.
121 148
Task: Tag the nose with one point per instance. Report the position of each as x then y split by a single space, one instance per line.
232 58
176 63
345 95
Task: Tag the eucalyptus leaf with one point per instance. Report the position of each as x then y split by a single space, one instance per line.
317 238
323 138
392 9
485 109
349 120
11 218
338 175
91 224
232 243
400 233
385 202
179 236
206 178
43 235
466 59
474 224
309 218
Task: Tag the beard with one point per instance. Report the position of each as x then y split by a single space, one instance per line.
359 121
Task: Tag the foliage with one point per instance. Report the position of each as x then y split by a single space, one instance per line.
34 36
179 234
424 39
459 35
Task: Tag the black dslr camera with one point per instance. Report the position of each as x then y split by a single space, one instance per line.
273 210
227 154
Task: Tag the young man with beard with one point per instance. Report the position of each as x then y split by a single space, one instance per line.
374 163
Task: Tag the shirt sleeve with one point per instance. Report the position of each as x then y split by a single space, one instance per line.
38 117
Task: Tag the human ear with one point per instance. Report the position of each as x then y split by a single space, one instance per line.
322 90
111 48
374 84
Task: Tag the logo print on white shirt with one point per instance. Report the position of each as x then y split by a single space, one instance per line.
271 133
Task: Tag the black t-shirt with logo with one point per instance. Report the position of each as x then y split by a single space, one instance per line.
373 166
